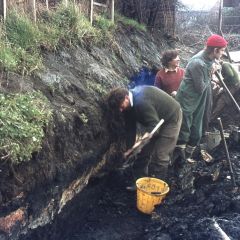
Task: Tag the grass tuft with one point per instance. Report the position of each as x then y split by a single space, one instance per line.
131 23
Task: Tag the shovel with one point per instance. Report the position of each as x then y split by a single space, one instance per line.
137 147
227 154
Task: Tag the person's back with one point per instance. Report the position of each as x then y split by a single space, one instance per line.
230 75
232 80
152 104
197 77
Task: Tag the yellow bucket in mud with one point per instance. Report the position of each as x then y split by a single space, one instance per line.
150 192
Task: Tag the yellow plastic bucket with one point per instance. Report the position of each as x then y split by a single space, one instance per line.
150 192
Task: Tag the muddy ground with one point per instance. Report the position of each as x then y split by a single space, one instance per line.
202 204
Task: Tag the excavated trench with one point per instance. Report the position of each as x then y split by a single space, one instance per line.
202 204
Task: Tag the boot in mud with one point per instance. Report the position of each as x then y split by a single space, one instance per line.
206 156
189 153
161 174
179 156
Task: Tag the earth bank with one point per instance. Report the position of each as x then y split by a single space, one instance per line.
77 142
60 193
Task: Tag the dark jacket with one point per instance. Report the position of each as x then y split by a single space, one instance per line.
150 105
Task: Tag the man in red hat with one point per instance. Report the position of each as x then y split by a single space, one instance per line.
195 95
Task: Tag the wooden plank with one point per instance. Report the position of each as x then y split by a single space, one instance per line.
100 4
20 1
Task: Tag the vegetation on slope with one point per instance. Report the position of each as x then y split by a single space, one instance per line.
21 40
22 120
23 116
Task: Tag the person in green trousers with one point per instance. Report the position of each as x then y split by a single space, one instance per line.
195 95
147 105
232 80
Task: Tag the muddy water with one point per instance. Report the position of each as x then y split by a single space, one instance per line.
201 205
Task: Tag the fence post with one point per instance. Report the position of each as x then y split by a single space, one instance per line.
91 11
112 11
3 9
32 7
220 17
47 5
65 2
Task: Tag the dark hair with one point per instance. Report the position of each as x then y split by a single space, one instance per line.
168 56
116 119
210 49
116 97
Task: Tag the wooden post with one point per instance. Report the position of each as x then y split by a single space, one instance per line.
220 27
3 9
112 11
65 2
47 6
32 8
92 3
174 17
91 11
220 17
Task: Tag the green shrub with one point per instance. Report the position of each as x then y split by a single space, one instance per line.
22 32
29 61
22 119
131 22
19 42
103 23
94 88
8 59
69 25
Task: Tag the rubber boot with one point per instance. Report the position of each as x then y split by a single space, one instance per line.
178 155
188 154
161 173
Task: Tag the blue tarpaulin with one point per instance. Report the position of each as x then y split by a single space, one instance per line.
145 76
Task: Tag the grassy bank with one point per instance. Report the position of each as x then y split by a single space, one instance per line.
22 40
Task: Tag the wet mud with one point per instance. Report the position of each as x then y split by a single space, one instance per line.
202 204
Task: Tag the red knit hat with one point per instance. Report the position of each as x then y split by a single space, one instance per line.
216 41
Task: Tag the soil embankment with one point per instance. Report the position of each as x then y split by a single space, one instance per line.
77 141
54 196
